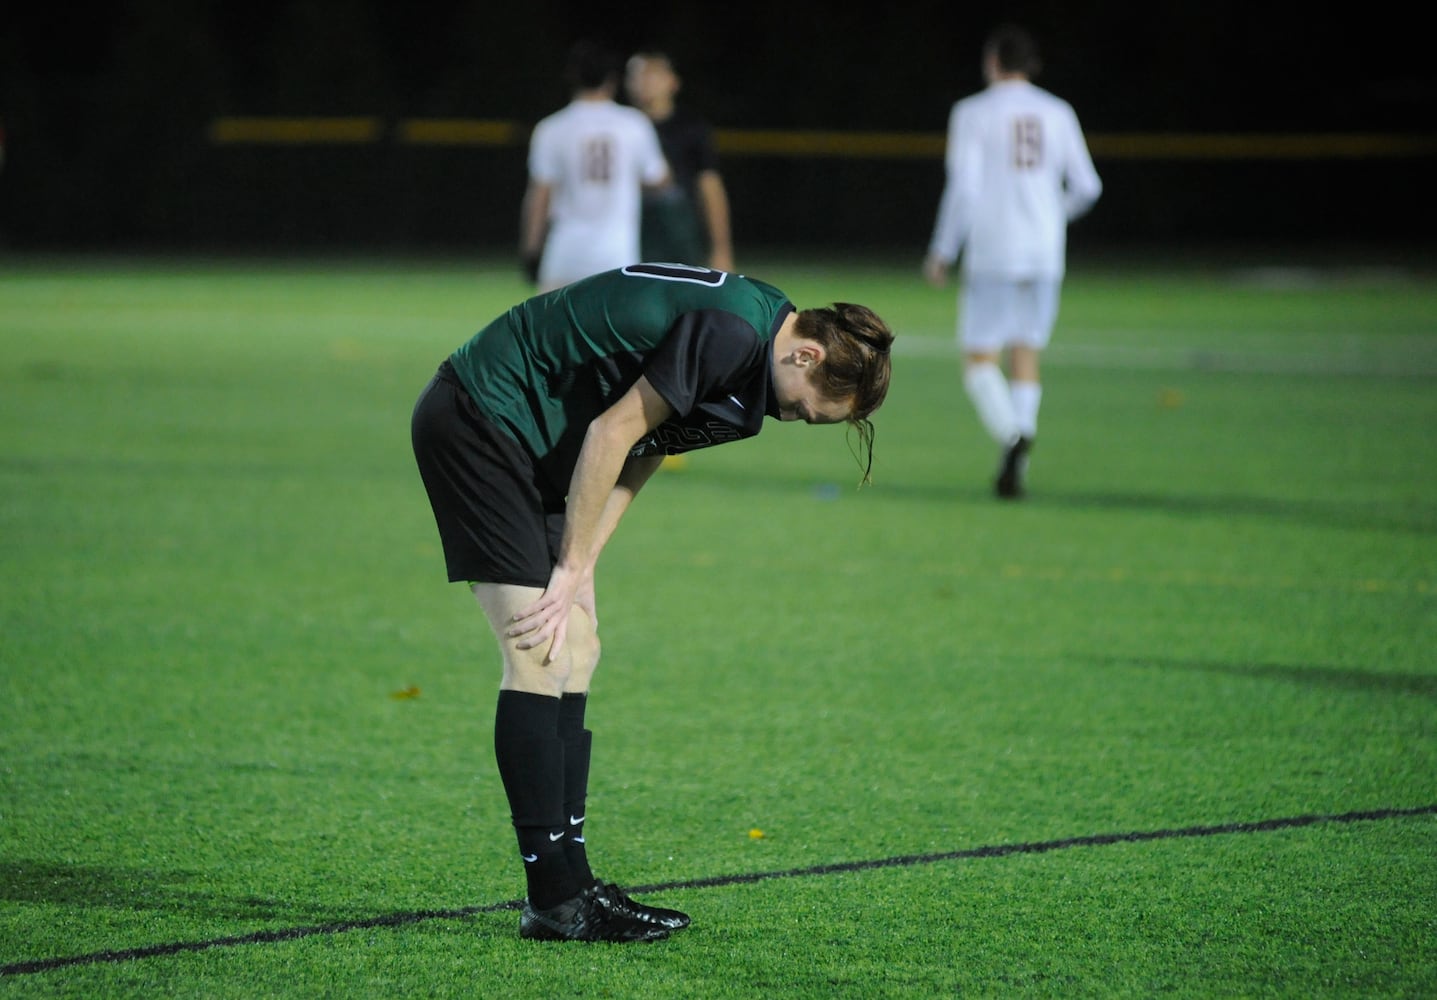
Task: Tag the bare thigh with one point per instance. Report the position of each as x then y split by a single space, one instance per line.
525 669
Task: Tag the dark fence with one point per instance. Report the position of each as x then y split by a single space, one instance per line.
364 183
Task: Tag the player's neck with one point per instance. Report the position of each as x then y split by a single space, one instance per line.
786 338
660 110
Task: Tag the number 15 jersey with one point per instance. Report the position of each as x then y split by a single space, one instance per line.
1018 171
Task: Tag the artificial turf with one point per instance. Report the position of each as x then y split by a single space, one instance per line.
1167 727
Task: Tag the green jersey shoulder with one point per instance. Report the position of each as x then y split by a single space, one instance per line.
554 362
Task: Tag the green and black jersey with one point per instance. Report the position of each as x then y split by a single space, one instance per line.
546 368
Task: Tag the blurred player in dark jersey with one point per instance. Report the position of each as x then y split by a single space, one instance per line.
687 222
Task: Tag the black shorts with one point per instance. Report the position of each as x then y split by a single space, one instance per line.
494 522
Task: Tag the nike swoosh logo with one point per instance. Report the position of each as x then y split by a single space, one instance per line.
737 402
531 858
576 820
556 836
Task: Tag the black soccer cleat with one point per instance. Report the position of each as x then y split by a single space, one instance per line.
585 918
617 902
1013 470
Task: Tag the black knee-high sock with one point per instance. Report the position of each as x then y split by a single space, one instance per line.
577 743
530 756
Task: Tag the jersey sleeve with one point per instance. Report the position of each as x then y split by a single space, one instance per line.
1082 186
705 148
544 161
963 169
704 351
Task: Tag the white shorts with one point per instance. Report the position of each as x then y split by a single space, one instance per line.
997 312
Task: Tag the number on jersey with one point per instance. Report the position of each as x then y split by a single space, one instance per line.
1027 143
598 161
677 272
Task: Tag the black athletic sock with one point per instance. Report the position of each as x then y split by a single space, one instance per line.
577 743
530 756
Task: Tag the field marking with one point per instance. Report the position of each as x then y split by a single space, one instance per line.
902 861
1222 581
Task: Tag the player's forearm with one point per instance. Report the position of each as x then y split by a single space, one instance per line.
605 474
950 228
588 520
716 214
636 472
534 220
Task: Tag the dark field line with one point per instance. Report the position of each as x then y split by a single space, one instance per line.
909 860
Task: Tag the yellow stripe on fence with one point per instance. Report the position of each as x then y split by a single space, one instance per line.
462 132
856 145
295 131
1240 146
459 132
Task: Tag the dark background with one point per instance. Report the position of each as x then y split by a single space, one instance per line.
106 110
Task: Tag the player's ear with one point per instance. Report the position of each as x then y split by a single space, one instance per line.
808 354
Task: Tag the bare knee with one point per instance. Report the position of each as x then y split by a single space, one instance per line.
571 671
527 670
1025 364
530 670
583 650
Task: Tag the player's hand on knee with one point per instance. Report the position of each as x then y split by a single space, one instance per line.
547 619
541 622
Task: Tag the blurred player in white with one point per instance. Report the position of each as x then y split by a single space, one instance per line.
588 164
1018 171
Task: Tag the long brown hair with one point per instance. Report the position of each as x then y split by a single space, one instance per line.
856 363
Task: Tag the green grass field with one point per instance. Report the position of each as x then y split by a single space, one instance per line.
1166 728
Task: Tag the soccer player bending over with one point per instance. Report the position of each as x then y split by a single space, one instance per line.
533 438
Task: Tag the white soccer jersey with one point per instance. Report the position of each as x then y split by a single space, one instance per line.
595 155
1018 171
